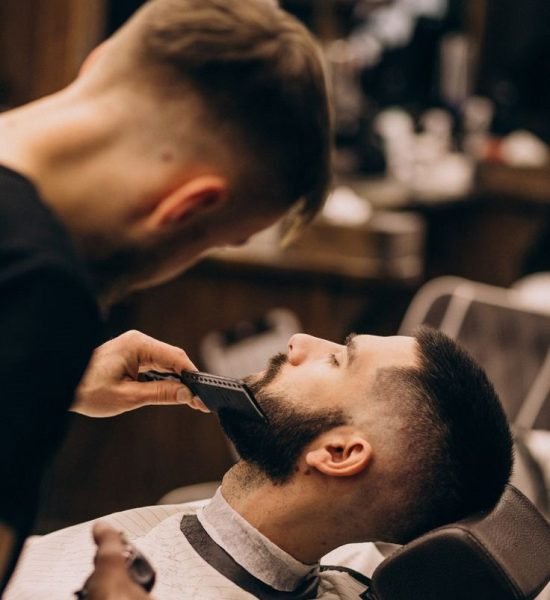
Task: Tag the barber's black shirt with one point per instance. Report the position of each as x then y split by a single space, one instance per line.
49 324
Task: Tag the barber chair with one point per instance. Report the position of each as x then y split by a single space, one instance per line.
502 555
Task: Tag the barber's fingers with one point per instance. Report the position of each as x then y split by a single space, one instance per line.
110 579
154 354
110 546
160 393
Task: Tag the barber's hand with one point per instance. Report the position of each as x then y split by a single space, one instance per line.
110 387
110 579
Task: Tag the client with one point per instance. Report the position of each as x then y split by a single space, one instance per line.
381 439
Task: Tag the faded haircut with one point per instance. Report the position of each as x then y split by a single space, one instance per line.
458 453
260 75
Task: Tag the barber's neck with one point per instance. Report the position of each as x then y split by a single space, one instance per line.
78 148
298 516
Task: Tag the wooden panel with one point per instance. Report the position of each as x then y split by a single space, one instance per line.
43 43
487 240
218 295
106 465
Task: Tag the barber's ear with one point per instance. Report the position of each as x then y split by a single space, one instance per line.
199 195
340 454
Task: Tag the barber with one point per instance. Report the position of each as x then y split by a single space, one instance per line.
195 125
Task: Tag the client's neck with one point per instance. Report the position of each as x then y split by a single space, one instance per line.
292 515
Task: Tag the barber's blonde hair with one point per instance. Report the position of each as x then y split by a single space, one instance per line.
257 70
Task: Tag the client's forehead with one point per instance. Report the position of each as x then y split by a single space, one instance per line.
378 351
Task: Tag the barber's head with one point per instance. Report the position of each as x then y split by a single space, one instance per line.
406 430
228 122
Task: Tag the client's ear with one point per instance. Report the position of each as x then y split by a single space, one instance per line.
342 452
198 195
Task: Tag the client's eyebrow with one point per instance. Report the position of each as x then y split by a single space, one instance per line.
351 348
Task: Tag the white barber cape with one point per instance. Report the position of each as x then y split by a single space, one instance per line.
199 550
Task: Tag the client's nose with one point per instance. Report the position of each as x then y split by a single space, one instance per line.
302 347
297 348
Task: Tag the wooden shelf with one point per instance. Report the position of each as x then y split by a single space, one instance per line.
523 184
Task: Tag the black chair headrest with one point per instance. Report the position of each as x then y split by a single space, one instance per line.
501 555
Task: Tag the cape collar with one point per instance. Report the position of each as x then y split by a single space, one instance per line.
223 538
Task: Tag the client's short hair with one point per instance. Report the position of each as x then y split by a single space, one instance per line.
260 75
458 454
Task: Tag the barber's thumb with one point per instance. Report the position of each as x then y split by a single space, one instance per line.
171 392
184 396
163 392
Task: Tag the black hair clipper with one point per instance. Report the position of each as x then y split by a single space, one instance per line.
215 391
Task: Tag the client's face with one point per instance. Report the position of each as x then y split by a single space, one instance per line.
316 386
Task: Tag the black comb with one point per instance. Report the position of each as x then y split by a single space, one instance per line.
215 391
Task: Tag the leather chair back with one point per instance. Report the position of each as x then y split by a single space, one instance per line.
501 555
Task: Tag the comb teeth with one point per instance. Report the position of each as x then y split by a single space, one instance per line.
216 381
219 393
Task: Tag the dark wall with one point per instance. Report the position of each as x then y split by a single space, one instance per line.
515 68
119 10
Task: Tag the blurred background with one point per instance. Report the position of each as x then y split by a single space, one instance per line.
441 111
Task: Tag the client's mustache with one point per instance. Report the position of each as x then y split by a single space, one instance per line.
274 365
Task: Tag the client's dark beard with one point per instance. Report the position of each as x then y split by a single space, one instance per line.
275 448
275 364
